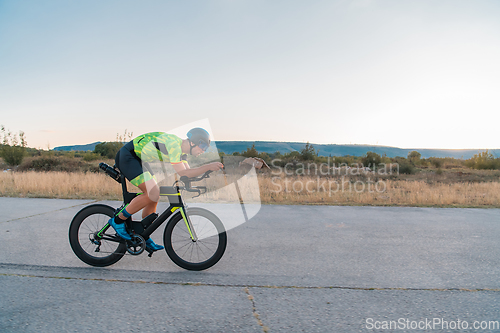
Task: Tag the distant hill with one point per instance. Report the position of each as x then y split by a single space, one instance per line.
229 147
86 147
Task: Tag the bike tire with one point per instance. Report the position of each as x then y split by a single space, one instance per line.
84 225
199 255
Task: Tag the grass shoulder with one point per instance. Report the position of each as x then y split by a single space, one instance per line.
451 185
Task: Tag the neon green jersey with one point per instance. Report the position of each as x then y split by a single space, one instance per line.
156 146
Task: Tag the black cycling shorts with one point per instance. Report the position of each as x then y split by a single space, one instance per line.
136 171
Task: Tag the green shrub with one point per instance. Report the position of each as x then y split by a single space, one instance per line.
55 163
371 160
414 157
250 152
44 163
308 153
88 157
483 161
401 165
13 148
12 155
345 160
406 167
436 162
108 149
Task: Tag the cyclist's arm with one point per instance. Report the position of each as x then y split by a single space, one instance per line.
183 170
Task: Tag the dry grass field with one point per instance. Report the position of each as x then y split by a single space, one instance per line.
55 184
381 193
448 188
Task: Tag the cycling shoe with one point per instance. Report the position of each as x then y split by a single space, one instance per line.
120 229
153 246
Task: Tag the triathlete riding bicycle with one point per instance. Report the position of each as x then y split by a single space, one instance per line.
156 146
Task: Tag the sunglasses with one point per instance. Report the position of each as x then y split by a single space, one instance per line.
203 145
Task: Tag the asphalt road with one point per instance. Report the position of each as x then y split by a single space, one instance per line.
289 269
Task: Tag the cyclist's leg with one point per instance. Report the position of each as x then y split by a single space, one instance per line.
149 197
147 184
149 209
140 175
131 167
147 201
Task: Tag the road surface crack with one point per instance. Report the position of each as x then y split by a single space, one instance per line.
265 329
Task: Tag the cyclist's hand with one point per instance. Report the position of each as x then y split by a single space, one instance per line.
214 166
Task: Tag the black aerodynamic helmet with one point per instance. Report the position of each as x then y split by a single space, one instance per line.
199 137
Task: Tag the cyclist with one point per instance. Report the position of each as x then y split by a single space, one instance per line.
150 147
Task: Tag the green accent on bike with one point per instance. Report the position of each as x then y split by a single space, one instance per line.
99 234
186 221
170 194
174 209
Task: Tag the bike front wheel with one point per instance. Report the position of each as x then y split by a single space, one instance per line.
96 250
195 255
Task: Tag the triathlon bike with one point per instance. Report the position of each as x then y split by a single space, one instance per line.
194 238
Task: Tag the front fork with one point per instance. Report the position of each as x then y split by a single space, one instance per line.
189 225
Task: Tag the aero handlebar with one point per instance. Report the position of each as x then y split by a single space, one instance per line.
196 189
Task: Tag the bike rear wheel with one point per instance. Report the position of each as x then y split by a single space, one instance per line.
203 253
84 241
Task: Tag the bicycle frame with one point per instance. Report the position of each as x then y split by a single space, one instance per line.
176 204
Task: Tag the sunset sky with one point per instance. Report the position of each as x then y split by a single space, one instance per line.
410 74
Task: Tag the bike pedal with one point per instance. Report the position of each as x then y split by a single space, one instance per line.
150 252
